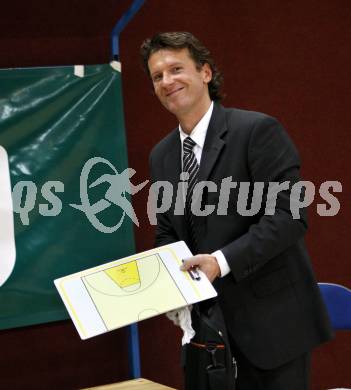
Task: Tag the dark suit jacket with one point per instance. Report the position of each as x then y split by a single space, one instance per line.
270 300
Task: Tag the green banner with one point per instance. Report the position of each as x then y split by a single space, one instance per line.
63 156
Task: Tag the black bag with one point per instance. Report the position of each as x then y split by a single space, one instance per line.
209 364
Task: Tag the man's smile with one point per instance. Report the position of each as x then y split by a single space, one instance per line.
174 91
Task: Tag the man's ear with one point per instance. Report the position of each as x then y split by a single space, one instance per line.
207 73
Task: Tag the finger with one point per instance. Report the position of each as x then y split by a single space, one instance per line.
189 263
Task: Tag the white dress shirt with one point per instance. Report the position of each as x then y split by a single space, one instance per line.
198 135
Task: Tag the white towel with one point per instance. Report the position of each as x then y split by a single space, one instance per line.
182 318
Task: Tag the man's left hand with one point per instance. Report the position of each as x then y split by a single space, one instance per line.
206 263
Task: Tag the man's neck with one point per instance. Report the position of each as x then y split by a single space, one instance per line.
189 120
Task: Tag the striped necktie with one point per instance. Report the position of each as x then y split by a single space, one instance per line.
191 166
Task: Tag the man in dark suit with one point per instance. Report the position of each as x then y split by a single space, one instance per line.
257 261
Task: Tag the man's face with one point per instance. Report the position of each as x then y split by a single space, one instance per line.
179 85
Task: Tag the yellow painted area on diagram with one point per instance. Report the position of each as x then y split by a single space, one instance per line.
125 275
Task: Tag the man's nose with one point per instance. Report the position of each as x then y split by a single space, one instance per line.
167 79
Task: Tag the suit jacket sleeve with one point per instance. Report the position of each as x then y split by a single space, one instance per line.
272 157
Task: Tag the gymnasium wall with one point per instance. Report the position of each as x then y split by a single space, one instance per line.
289 59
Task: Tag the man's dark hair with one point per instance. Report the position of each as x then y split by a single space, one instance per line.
198 52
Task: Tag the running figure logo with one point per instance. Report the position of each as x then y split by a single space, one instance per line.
119 185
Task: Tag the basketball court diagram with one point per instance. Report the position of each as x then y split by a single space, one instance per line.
129 290
136 284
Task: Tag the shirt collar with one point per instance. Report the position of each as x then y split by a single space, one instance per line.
198 133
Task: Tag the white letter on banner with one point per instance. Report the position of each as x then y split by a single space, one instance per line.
334 203
7 234
29 201
159 203
52 198
301 195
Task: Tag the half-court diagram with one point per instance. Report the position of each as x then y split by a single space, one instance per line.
131 289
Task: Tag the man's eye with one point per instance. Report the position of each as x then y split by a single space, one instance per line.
156 78
177 69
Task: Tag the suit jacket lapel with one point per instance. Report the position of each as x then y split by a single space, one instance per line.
172 160
211 151
213 142
173 168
